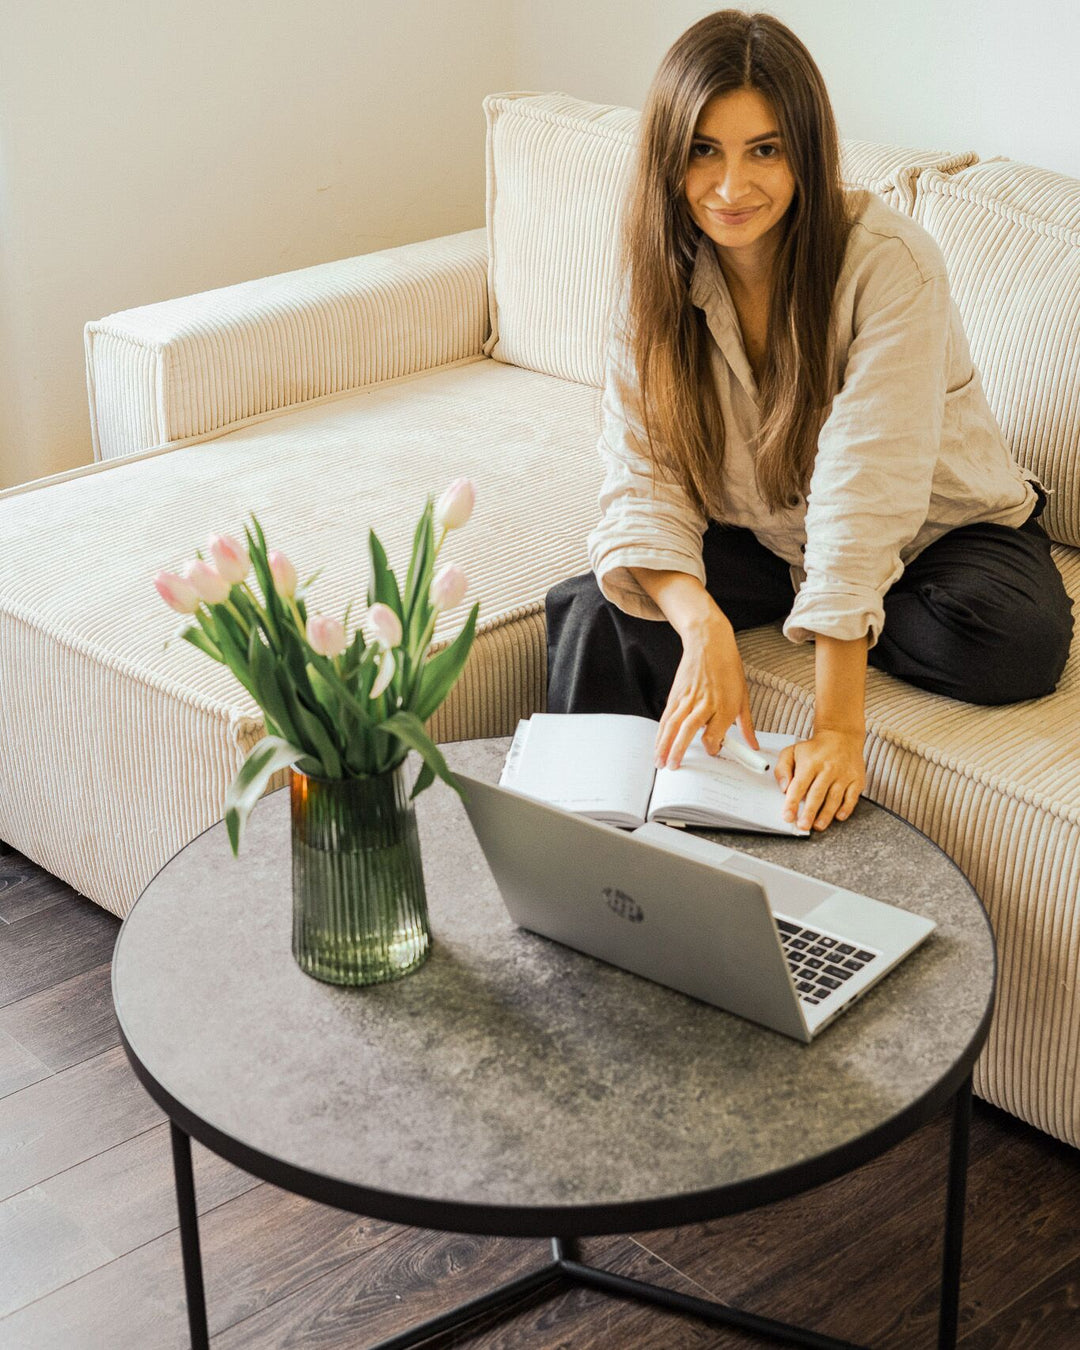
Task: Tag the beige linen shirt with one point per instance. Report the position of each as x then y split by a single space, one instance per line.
909 448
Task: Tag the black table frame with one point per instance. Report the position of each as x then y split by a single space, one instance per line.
581 1221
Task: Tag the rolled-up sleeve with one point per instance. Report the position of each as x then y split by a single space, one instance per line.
877 449
639 526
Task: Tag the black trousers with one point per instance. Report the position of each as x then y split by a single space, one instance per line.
981 615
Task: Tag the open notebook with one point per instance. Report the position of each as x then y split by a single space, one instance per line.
600 765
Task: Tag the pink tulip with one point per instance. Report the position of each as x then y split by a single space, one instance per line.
387 666
207 583
455 506
326 635
387 625
176 593
283 572
230 558
449 587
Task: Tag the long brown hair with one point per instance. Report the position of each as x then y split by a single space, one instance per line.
675 396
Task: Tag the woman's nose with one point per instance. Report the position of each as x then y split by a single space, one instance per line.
731 183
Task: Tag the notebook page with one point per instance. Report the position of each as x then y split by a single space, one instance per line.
707 785
599 764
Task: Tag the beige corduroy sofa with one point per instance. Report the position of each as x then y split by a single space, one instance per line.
334 398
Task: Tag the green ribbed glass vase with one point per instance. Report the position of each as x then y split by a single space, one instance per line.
359 905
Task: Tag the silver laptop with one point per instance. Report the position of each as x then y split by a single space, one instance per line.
756 939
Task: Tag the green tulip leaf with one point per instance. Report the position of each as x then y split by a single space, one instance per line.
442 670
408 728
263 760
198 638
383 585
424 779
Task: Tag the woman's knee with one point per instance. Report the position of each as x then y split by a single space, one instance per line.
973 650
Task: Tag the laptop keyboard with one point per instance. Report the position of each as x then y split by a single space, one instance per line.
820 964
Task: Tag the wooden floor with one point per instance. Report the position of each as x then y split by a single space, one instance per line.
89 1253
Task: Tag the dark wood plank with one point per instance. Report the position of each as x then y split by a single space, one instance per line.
42 1248
258 1248
69 1117
767 1260
588 1320
416 1275
26 888
412 1276
18 1067
53 944
89 1214
1046 1317
125 1196
67 1022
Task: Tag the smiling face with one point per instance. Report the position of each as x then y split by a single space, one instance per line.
738 162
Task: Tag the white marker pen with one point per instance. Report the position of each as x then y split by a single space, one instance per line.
753 759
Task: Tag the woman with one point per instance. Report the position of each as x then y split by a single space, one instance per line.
793 429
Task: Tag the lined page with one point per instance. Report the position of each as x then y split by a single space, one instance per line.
598 764
711 787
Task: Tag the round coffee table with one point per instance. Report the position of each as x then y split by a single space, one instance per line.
514 1086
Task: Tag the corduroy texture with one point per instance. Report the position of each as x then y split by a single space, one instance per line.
1010 233
119 749
205 363
997 790
556 175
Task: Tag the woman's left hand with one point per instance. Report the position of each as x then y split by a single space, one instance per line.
828 771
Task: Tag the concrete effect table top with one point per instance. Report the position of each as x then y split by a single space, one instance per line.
511 1073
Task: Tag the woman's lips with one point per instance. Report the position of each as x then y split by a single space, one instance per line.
732 217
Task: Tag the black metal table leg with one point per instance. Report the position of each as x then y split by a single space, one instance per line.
189 1238
954 1217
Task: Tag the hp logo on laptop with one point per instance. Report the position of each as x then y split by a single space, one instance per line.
625 906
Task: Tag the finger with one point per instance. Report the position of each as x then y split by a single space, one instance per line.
833 798
715 731
689 729
797 789
746 721
851 797
785 766
815 796
669 726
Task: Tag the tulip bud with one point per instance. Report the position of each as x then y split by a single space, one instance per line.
230 558
387 625
449 587
455 506
176 593
326 635
387 666
283 572
207 583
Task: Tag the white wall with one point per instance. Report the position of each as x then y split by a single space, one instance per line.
994 76
152 149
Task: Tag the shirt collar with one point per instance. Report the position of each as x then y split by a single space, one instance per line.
708 287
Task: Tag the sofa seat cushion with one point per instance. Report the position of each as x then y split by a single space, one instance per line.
997 789
118 747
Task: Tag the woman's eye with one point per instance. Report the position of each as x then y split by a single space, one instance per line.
774 150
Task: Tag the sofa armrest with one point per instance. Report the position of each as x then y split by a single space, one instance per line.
195 367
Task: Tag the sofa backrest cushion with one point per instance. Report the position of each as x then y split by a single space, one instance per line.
1010 234
556 173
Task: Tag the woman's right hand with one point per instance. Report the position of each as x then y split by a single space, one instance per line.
709 690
